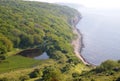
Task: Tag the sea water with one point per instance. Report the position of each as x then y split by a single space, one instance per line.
101 34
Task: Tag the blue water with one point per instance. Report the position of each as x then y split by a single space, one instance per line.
42 57
101 32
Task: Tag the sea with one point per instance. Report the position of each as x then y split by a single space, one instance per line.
101 34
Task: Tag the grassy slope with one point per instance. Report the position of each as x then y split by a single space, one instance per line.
15 62
33 24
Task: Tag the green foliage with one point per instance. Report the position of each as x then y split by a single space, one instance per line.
25 24
52 74
74 60
107 71
2 57
75 75
66 68
118 61
35 73
18 24
5 44
4 79
24 78
38 25
107 66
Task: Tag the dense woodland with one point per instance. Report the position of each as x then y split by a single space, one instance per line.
48 27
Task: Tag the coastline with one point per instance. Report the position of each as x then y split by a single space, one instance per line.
77 43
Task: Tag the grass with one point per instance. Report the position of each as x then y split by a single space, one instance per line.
21 66
16 74
13 52
16 62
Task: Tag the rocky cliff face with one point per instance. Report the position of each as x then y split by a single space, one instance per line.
76 19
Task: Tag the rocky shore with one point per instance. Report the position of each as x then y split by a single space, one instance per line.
78 41
78 45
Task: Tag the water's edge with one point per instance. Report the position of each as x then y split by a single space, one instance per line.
78 46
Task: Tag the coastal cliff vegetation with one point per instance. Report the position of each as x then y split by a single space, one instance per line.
26 25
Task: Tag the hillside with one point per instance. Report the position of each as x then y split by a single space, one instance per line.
107 71
35 27
28 24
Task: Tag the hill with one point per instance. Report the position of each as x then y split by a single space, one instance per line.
35 25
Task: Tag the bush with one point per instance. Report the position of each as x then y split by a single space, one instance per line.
118 79
75 75
5 44
66 68
35 73
108 65
74 60
3 79
2 57
118 61
52 74
23 78
78 79
92 80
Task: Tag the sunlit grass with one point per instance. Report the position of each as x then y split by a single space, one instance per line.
13 52
16 62
17 69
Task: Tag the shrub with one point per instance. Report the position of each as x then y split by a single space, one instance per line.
118 79
23 78
92 80
2 57
118 61
66 68
35 73
74 75
3 79
107 66
52 74
5 44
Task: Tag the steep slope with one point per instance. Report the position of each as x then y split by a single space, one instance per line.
48 27
28 24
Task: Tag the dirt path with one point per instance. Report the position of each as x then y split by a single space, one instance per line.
77 44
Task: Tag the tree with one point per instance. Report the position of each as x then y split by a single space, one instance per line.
35 73
5 44
107 66
26 40
52 74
